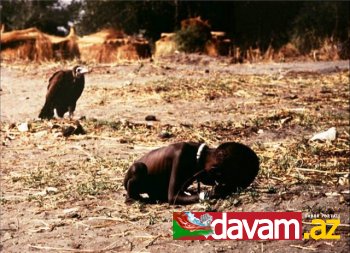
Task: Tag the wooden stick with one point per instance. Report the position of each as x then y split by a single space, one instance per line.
59 249
92 158
105 218
322 171
108 248
177 245
91 136
152 241
301 247
110 219
277 178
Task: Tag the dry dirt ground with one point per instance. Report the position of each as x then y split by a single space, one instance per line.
65 194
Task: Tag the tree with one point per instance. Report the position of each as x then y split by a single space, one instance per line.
44 15
248 23
130 16
319 20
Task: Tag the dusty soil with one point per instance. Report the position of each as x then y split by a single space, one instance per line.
61 194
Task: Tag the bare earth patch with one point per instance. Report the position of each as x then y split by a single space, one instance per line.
65 194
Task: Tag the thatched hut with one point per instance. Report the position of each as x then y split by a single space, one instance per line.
28 44
32 44
105 46
110 45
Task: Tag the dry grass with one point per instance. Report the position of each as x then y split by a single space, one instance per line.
76 183
277 158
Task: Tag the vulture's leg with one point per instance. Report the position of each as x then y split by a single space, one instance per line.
61 111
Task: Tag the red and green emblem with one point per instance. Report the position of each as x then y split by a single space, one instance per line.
188 227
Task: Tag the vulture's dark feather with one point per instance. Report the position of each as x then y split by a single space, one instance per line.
64 89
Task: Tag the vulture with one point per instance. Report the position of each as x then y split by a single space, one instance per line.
63 91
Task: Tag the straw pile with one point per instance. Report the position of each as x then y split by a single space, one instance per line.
110 45
166 45
105 46
32 44
28 44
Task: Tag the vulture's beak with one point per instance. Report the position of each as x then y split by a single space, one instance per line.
84 70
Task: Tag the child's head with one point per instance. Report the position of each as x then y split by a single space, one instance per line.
236 165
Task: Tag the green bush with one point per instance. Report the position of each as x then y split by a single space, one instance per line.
192 39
